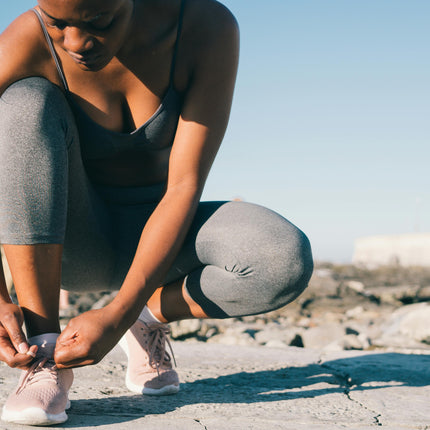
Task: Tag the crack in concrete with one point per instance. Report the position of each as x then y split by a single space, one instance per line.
345 381
377 422
199 422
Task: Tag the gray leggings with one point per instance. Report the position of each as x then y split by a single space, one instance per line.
238 258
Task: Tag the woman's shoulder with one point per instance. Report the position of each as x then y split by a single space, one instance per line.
209 26
23 50
209 17
209 46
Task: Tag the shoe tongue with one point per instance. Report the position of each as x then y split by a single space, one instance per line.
46 350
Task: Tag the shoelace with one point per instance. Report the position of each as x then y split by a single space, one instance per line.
158 337
43 368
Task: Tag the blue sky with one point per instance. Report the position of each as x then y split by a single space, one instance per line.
330 121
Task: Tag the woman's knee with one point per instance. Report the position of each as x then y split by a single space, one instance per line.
33 109
266 260
293 267
282 263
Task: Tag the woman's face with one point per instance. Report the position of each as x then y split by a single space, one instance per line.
92 32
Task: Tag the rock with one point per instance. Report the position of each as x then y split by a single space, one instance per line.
305 322
84 302
185 328
68 313
320 337
212 331
397 342
104 300
297 341
408 326
275 333
233 338
333 347
423 293
414 321
354 341
354 312
275 343
397 295
350 330
356 286
348 342
320 288
323 272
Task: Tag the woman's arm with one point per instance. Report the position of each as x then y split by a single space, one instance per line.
14 349
200 131
199 134
24 53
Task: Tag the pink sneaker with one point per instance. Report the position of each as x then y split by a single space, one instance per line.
41 397
149 368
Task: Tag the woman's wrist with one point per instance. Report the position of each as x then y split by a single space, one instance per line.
5 299
131 299
124 312
4 293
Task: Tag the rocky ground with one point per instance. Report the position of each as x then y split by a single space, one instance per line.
353 351
253 388
344 308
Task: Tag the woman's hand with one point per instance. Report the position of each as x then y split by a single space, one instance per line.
88 338
14 349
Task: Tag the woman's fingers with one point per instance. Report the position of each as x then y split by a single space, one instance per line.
71 350
11 320
87 339
67 337
14 348
71 353
64 348
12 358
16 335
21 361
79 362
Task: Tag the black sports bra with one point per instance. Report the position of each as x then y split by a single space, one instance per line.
157 133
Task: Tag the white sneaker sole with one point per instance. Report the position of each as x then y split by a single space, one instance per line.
138 389
34 416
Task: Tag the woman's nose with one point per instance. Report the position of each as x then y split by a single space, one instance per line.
77 40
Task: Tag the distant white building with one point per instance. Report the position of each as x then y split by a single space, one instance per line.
403 249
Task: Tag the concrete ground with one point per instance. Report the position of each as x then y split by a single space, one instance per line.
238 387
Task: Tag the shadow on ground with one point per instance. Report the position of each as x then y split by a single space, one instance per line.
364 372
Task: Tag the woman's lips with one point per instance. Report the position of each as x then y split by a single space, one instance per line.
86 60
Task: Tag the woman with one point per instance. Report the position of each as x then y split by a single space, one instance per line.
111 114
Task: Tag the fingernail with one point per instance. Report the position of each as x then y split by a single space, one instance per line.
30 352
23 348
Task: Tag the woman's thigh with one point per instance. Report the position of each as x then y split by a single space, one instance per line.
89 255
45 196
33 163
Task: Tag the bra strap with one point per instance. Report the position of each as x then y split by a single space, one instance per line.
178 36
51 48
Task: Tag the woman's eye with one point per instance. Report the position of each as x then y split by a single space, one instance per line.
97 25
57 25
101 25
